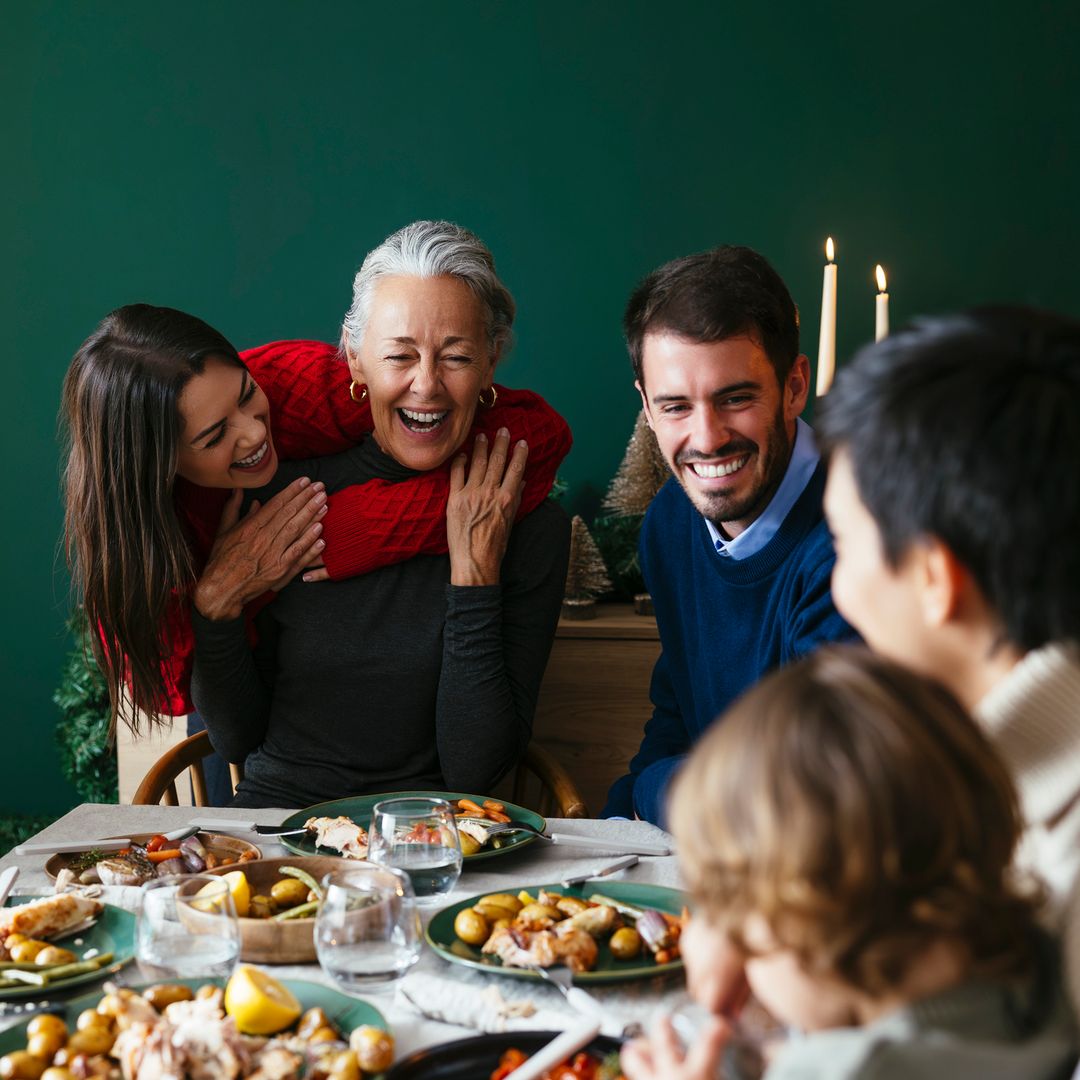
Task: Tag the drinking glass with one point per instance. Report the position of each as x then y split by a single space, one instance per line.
754 1034
419 836
367 930
187 928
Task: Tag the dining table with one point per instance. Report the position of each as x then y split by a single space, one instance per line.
432 980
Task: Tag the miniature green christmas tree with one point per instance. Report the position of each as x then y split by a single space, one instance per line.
586 574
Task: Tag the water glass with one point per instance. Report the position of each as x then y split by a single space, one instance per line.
419 836
367 930
746 1054
186 928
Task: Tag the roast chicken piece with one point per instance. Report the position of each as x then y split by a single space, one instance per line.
49 916
566 944
340 833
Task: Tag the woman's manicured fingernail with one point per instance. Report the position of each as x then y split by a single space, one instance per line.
481 437
504 432
523 443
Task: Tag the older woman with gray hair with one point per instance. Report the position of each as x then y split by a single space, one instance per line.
422 674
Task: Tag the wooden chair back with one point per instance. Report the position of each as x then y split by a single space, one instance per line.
539 781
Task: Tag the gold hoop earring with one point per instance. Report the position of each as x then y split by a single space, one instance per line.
352 392
494 397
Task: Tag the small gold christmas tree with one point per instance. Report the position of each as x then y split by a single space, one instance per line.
641 475
586 574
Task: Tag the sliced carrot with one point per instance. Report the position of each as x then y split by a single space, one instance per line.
161 856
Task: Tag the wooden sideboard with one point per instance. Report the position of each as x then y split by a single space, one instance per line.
594 701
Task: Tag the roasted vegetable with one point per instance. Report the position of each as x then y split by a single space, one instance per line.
471 926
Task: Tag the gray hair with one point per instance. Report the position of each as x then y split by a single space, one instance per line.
432 249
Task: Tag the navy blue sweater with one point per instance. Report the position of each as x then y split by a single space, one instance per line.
724 623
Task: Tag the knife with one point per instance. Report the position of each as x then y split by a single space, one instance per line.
613 868
7 879
615 847
63 848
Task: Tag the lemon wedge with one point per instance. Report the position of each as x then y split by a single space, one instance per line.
258 1003
238 886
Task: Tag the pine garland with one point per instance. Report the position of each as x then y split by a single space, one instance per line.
87 756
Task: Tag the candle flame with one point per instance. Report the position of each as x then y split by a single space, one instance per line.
830 250
881 279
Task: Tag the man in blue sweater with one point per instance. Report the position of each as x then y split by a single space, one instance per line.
734 548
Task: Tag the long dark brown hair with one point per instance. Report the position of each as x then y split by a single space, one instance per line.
125 545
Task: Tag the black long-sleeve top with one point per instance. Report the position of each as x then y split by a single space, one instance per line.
394 680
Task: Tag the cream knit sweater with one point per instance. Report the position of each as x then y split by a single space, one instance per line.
1033 716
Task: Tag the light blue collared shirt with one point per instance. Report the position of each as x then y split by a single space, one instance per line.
804 460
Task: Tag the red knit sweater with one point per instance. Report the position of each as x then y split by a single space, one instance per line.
367 526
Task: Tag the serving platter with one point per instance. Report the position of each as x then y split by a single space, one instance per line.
228 846
347 1012
290 941
113 932
359 808
478 1057
442 939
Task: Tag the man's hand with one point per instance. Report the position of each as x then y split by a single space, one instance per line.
481 509
263 551
660 1056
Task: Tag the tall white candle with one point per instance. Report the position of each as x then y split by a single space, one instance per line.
881 307
826 364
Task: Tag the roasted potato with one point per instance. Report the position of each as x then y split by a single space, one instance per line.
162 995
374 1048
625 943
471 926
21 1065
288 893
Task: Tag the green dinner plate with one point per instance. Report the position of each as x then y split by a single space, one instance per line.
441 937
346 1012
113 932
359 808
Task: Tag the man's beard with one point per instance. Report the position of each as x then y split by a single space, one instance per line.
772 461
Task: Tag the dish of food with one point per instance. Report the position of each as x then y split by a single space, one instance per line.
202 1027
30 925
479 1057
584 1065
601 940
145 859
273 899
341 824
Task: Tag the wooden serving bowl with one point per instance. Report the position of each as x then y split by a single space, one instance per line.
267 941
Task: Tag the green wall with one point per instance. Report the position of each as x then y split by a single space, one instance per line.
238 160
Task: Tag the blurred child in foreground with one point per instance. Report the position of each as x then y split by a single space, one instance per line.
850 831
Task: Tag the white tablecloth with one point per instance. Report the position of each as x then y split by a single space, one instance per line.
535 864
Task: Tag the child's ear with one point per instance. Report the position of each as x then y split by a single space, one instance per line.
943 581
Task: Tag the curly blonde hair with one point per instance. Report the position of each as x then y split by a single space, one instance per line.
860 811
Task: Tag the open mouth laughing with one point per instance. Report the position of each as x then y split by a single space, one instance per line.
706 471
422 422
253 461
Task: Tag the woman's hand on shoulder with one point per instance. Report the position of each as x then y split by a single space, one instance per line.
661 1056
482 508
262 551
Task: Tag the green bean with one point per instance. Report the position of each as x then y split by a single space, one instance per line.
305 877
80 967
302 911
619 905
15 965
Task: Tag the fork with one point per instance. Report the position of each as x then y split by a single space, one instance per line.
597 843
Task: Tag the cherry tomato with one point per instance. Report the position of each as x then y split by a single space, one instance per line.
156 842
